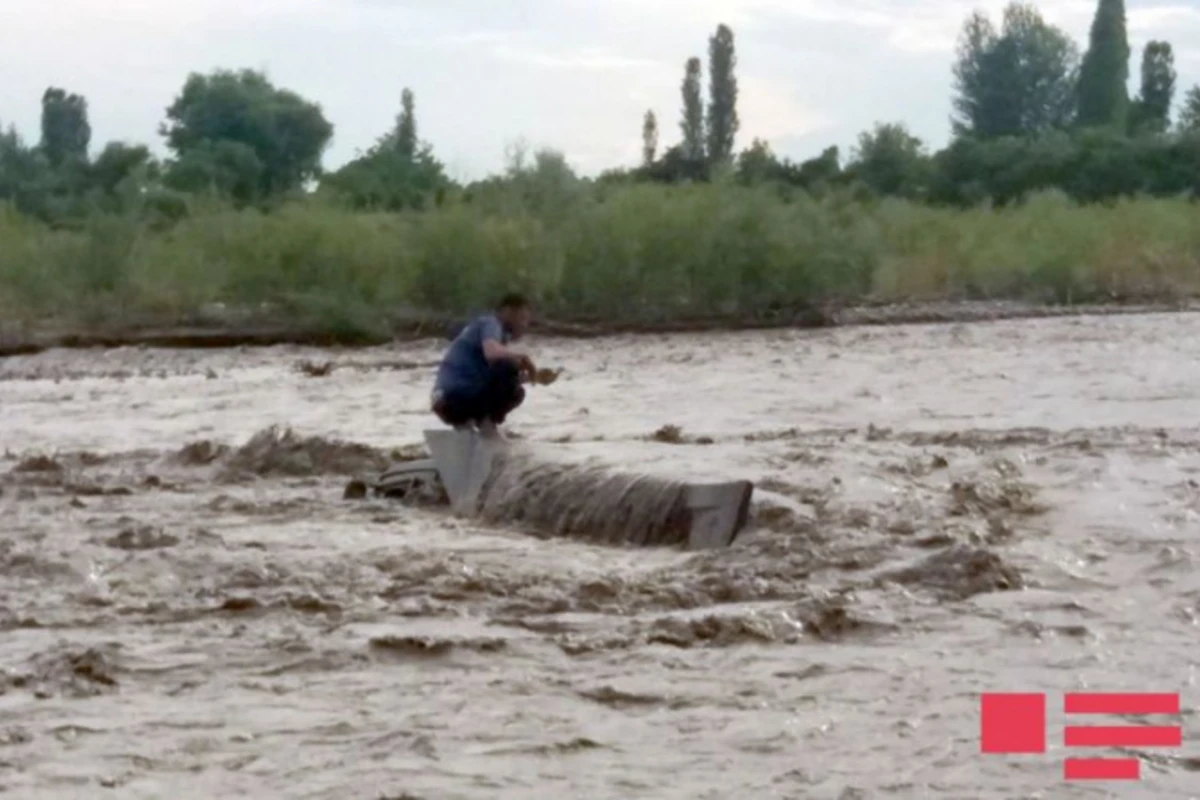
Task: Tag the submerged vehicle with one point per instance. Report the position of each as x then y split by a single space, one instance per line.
500 481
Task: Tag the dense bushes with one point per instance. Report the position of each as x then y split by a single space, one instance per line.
635 253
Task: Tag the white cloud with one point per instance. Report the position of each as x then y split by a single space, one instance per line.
1159 19
594 58
771 110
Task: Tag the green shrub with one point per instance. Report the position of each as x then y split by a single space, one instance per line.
617 252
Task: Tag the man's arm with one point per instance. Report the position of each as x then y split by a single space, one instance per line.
493 350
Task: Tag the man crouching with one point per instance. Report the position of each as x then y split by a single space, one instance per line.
479 381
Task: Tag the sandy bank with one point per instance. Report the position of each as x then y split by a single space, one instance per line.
224 330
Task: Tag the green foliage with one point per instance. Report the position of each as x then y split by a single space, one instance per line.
1152 111
891 161
692 124
544 185
1189 114
634 253
123 169
649 139
1104 73
820 172
722 120
1019 81
222 168
675 167
406 125
388 180
758 164
57 183
397 173
236 133
24 174
1094 166
66 131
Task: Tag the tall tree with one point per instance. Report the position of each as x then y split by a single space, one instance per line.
891 161
1015 82
242 131
399 171
225 167
758 163
692 124
649 138
976 104
66 132
23 172
1152 111
722 94
1189 113
823 169
1103 93
406 125
118 162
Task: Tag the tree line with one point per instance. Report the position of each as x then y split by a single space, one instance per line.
1030 112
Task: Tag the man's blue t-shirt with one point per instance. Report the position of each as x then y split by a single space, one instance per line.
464 368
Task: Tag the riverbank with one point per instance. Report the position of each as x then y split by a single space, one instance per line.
225 330
632 259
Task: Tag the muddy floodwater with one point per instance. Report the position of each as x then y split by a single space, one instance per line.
189 608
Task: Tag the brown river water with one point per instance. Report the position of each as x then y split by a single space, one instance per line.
189 607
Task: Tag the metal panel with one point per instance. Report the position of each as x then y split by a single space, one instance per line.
464 460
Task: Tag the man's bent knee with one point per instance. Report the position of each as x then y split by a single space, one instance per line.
506 404
453 411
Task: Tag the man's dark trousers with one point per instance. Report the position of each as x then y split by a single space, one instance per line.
500 394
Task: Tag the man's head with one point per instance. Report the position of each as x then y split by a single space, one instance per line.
515 314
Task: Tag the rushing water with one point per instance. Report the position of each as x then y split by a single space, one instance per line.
190 609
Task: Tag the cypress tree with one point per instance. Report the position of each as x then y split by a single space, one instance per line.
406 125
722 95
1152 111
1103 93
692 124
649 138
66 132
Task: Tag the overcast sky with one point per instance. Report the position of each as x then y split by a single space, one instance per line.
573 74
